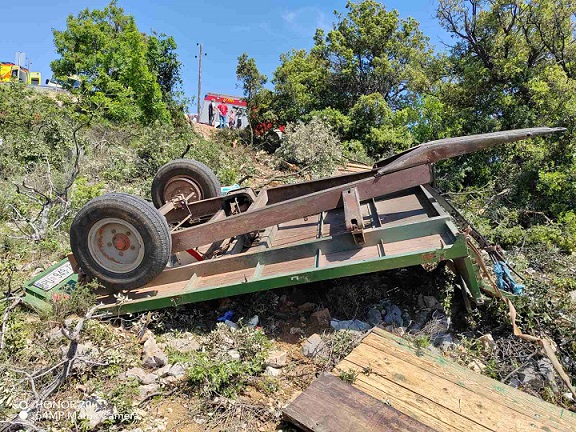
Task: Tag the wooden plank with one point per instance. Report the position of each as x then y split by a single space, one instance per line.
329 404
514 399
412 404
451 395
395 370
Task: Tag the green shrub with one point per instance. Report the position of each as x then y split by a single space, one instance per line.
313 146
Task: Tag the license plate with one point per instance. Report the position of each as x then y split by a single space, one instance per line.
56 276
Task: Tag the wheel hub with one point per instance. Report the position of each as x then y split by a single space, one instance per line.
184 186
116 245
121 242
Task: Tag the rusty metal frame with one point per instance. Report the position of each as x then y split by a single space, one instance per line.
247 211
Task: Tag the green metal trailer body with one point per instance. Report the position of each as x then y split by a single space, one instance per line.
402 229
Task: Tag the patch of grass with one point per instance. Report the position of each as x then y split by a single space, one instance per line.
267 385
348 376
422 341
213 372
122 397
220 376
337 345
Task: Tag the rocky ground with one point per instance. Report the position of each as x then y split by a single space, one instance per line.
234 364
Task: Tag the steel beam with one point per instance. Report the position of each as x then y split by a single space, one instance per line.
296 208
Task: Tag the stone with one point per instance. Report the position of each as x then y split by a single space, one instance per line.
142 376
546 369
153 357
573 296
145 391
231 324
529 376
55 334
149 378
169 380
135 372
184 344
276 359
163 371
234 354
487 342
272 371
430 302
177 371
296 330
393 315
321 318
374 316
476 366
352 325
307 307
312 345
253 322
96 411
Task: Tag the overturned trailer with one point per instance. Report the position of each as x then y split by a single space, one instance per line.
195 244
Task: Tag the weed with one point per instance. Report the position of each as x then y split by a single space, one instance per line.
348 376
422 341
214 372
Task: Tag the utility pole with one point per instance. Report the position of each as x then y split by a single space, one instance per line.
199 77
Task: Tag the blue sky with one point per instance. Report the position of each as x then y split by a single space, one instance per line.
263 29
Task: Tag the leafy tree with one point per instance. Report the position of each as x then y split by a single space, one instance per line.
258 99
122 71
513 66
300 84
371 50
371 65
163 62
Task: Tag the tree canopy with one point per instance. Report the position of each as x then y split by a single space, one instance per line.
375 79
130 75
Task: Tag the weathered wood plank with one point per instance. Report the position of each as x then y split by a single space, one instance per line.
453 396
514 399
330 405
416 406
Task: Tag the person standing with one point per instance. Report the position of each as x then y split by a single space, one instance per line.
222 110
231 120
211 113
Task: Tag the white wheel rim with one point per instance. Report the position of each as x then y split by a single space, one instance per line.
116 245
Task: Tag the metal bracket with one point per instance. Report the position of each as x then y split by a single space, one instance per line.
353 215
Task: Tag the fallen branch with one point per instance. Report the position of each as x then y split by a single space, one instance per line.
7 311
73 335
546 344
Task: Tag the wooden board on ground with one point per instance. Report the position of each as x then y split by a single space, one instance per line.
331 405
442 394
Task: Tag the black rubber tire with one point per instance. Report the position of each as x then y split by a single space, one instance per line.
151 226
203 176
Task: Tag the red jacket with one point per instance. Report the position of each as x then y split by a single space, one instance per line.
223 108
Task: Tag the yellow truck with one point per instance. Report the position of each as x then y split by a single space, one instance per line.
13 72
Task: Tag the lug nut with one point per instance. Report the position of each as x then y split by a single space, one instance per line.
113 231
132 247
109 244
128 233
121 253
